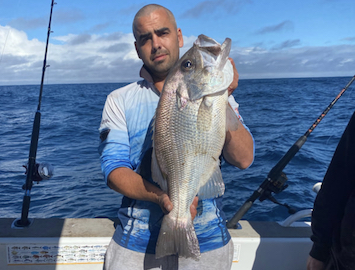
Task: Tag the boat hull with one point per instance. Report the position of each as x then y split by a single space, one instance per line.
65 244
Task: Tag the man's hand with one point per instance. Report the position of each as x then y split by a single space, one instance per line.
132 185
193 208
166 205
234 83
314 264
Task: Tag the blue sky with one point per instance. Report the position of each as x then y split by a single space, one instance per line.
92 40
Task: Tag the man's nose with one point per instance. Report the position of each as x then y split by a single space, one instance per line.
156 44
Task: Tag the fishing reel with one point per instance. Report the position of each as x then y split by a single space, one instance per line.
42 171
276 186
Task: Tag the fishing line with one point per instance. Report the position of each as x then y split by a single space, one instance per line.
8 32
347 98
328 108
33 169
3 49
275 181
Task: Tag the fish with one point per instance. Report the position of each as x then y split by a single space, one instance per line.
189 132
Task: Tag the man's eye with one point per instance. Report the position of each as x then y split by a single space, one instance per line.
163 33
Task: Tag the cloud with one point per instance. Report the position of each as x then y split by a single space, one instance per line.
295 62
351 39
67 16
287 44
99 27
79 39
112 58
77 58
132 9
285 25
26 24
61 16
188 42
16 43
113 36
209 7
117 48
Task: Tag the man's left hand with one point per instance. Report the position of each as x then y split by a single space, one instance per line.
234 83
193 208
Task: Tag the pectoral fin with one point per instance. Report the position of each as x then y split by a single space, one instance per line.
214 187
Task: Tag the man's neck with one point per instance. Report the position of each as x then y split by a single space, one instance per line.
159 85
157 81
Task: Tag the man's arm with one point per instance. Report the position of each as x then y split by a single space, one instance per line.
238 148
337 186
132 185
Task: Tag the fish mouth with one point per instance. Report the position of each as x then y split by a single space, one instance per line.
216 71
218 52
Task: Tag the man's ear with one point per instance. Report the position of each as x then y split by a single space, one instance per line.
180 38
135 45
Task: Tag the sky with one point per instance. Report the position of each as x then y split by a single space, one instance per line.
92 40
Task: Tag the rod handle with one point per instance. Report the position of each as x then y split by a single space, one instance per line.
232 223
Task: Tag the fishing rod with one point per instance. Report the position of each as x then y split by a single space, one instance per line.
275 181
34 171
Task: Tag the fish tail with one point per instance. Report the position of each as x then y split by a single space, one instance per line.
177 236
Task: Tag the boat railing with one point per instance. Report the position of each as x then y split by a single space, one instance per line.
293 219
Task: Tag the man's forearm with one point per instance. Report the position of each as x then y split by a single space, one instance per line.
132 185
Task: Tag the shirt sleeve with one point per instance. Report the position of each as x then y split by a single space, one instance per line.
235 107
114 148
337 186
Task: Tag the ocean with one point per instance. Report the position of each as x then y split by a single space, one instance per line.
277 112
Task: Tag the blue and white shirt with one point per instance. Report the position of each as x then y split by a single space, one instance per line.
126 142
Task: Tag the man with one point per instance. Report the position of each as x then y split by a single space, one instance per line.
125 158
333 217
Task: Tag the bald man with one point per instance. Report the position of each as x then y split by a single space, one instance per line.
125 151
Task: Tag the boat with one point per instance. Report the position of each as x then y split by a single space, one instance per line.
68 244
81 243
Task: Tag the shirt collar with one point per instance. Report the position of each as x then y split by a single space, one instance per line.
146 75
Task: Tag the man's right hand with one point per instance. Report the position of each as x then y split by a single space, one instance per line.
314 264
166 205
132 185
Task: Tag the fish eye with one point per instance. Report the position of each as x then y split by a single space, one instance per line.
187 64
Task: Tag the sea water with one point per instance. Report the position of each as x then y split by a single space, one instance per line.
277 112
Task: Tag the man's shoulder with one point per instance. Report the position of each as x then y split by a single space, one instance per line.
130 87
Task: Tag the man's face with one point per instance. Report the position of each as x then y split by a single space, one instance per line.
157 43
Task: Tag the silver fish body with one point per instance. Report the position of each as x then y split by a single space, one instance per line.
189 134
